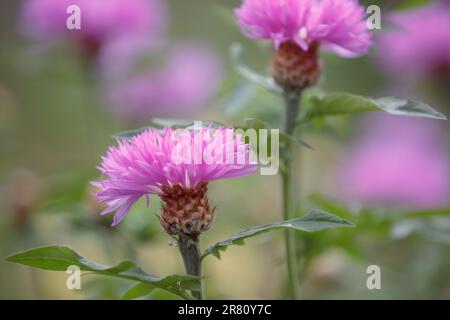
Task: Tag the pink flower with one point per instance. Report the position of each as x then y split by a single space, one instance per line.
188 78
339 25
101 20
152 163
418 42
397 162
342 28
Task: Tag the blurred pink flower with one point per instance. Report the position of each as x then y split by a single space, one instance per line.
339 25
397 161
101 20
123 57
418 42
189 76
146 165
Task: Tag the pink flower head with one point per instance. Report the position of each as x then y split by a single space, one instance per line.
418 43
100 20
339 25
188 78
397 162
168 161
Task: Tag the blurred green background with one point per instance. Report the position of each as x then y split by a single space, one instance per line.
54 127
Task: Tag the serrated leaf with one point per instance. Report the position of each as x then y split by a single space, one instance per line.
333 104
311 222
242 69
59 258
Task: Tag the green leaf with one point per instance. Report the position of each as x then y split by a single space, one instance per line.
311 222
137 291
345 103
405 107
161 123
59 258
127 135
242 69
253 123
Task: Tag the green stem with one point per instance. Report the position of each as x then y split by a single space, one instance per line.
190 251
292 107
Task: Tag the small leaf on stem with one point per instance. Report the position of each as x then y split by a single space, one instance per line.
311 222
333 104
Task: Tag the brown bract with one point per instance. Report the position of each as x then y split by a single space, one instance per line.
186 210
295 69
